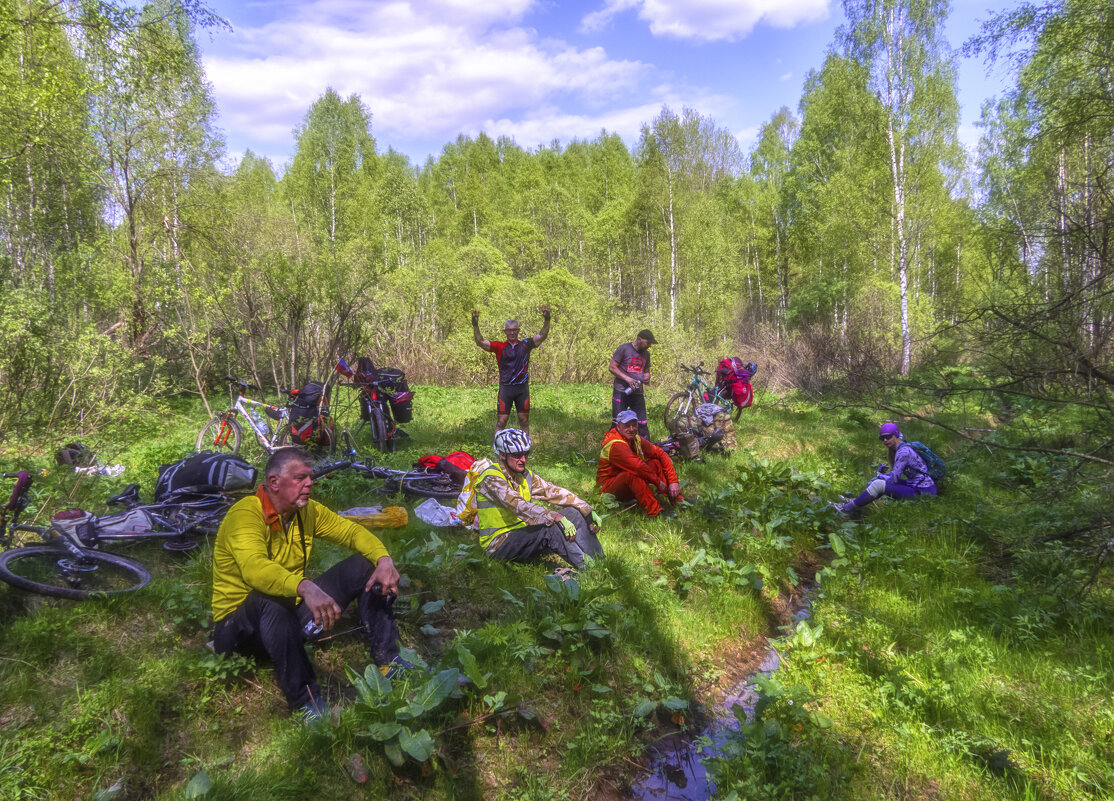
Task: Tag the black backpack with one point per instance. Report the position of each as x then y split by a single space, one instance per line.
205 473
307 400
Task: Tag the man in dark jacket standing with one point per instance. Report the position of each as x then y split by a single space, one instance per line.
630 365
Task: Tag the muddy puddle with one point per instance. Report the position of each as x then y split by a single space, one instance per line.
676 772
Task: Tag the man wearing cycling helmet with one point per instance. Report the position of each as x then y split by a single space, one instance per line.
632 468
512 524
513 358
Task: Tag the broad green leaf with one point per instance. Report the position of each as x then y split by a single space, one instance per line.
674 703
644 708
471 668
378 684
199 786
381 731
413 657
431 607
394 753
410 712
419 746
837 544
556 586
437 689
821 720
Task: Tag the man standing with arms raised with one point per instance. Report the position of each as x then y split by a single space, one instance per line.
513 357
631 367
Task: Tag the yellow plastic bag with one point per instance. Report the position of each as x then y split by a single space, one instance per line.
375 517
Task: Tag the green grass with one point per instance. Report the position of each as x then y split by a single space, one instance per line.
943 658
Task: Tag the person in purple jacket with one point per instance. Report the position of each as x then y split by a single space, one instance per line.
907 476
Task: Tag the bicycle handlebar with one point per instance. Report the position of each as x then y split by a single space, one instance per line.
695 370
242 384
331 467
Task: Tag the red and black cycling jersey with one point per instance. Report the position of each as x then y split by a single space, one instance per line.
513 360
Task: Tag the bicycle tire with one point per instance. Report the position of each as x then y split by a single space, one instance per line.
378 427
212 436
37 569
431 485
679 413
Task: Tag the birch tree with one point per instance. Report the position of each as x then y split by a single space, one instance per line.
901 42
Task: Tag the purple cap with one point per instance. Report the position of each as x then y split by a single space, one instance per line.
890 428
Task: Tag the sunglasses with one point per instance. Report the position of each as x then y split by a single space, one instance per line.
885 437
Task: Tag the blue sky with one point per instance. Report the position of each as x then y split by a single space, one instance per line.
534 70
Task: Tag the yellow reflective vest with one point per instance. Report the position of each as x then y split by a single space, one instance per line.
493 517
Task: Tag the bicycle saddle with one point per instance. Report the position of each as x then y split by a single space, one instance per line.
129 497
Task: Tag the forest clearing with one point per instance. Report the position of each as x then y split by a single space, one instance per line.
874 272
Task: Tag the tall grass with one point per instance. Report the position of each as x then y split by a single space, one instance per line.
938 666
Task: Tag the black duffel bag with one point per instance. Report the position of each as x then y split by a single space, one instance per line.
205 473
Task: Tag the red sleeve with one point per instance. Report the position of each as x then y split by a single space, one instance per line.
622 457
653 452
497 349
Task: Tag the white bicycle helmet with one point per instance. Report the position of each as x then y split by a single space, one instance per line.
511 441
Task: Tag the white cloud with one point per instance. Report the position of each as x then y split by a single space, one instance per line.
426 70
710 20
785 76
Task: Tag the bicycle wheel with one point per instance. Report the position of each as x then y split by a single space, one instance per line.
220 434
679 413
431 485
377 424
51 571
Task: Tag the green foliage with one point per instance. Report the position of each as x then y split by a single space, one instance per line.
394 719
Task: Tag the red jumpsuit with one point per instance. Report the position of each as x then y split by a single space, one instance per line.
631 470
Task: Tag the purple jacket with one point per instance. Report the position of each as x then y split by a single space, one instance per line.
910 470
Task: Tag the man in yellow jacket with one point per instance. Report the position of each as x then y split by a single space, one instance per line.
263 602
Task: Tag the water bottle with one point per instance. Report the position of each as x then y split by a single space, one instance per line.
629 390
260 421
312 629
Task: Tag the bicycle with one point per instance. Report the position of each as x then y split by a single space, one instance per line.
409 482
225 433
68 563
681 408
383 400
62 566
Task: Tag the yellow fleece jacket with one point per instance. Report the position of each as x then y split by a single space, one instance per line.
253 552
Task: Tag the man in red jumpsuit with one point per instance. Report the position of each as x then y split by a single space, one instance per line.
632 468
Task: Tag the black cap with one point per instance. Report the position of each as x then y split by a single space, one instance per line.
646 335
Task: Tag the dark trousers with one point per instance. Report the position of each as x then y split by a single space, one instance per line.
273 627
533 542
636 402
